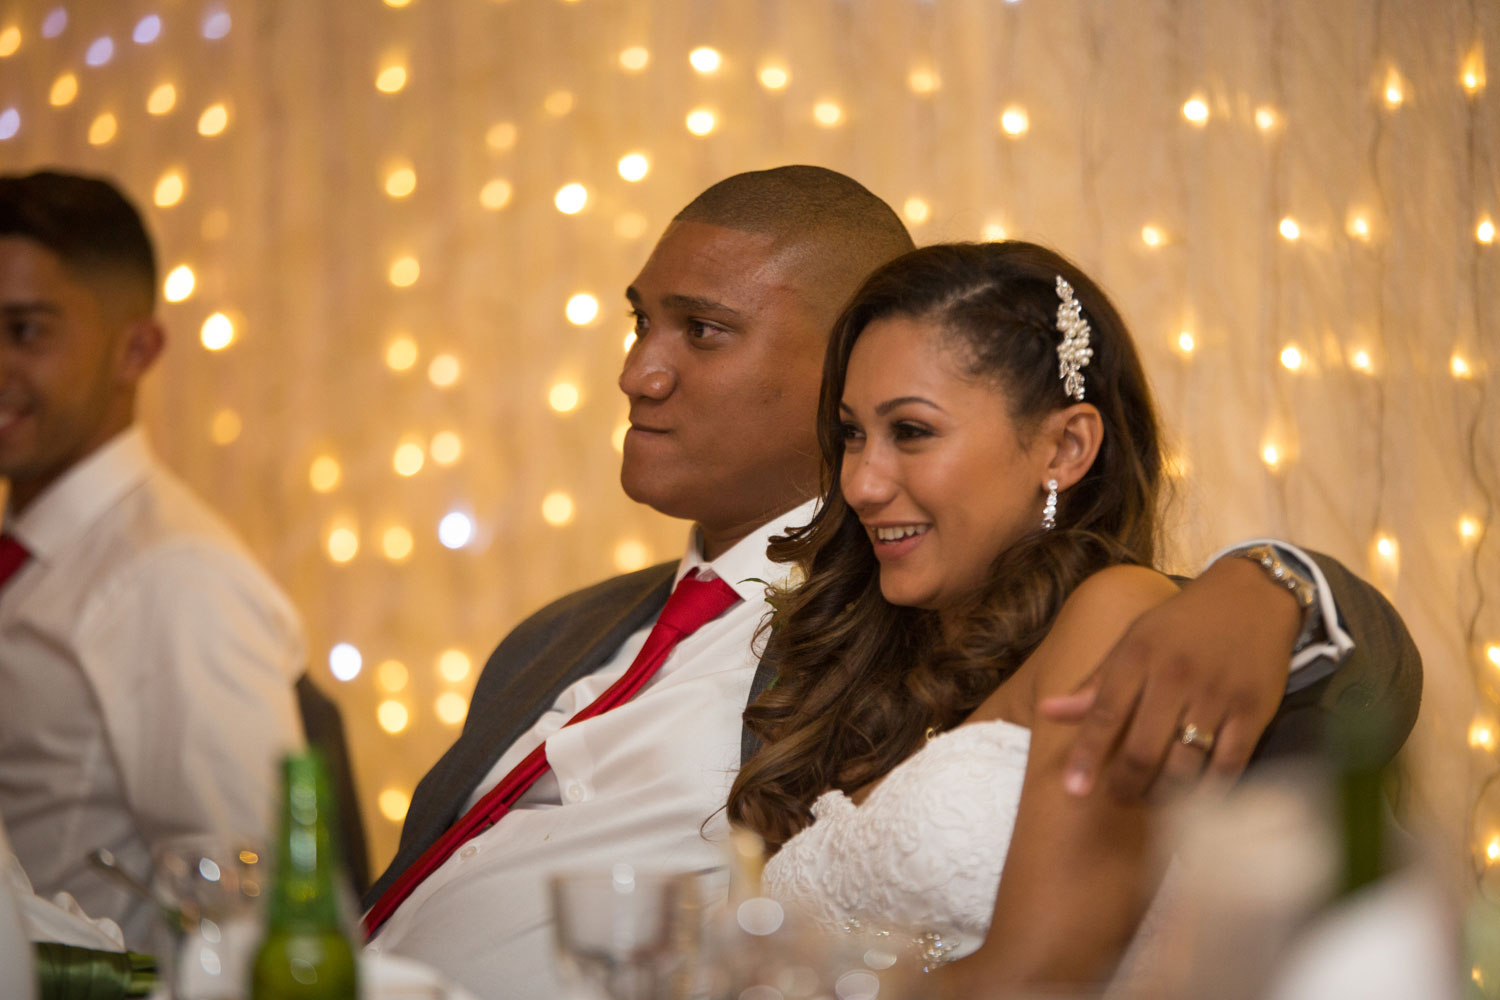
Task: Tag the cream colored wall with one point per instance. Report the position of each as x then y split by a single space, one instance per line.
288 228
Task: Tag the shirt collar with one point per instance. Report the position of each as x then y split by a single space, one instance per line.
64 510
744 565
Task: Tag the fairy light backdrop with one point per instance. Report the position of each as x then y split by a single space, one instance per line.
395 237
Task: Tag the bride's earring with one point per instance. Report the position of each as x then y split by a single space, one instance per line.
1049 512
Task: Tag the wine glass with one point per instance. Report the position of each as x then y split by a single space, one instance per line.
627 935
216 884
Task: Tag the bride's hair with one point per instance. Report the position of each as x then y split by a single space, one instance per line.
860 680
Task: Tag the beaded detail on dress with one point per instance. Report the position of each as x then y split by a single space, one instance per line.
920 858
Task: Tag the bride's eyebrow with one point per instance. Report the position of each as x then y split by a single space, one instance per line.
890 404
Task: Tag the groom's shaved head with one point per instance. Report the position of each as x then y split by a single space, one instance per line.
831 227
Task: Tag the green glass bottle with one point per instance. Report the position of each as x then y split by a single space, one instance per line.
306 955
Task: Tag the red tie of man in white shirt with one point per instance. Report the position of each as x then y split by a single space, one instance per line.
693 603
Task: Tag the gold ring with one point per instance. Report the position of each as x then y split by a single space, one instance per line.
1192 736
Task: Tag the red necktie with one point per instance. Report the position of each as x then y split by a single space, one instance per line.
693 603
13 556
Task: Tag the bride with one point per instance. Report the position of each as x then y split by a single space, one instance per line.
988 537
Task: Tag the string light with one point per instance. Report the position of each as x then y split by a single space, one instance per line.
216 25
634 59
1291 358
1186 343
1151 236
916 210
401 182
397 3
64 89
179 284
100 52
169 189
162 100
705 59
147 30
404 271
774 77
454 665
1485 232
923 81
1360 361
443 371
571 198
1468 528
225 428
10 41
500 136
213 120
701 121
1177 465
1271 456
633 166
54 23
446 447
563 397
1014 121
217 332
1358 227
582 309
455 530
391 79
1492 653
451 707
344 661
495 194
617 436
993 232
1195 110
1459 366
1266 118
1471 76
1394 91
1289 229
392 716
631 555
557 509
408 458
396 543
10 123
324 473
1482 734
401 354
393 804
343 544
391 676
630 339
558 103
827 113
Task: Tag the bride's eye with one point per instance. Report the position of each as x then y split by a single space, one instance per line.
905 430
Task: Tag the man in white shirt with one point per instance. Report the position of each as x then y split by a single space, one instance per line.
732 312
148 664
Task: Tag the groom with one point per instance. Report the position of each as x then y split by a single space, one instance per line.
732 314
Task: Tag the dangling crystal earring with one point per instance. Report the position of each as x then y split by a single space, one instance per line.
1049 512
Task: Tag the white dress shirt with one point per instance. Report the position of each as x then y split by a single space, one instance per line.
148 667
644 784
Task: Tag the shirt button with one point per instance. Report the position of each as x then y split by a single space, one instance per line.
575 792
468 852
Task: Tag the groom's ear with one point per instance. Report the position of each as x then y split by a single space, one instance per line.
1073 436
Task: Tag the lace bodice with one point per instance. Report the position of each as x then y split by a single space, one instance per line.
921 856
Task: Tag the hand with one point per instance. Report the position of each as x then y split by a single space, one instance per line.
1215 655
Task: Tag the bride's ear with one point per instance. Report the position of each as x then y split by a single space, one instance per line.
1073 436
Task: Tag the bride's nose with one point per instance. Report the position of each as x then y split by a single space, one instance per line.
867 479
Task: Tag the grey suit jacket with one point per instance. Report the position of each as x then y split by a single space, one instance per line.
577 634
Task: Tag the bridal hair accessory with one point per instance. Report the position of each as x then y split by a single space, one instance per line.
1049 512
1074 353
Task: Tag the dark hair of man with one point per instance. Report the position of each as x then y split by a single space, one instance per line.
860 680
88 223
834 228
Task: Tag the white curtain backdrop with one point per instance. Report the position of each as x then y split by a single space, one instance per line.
1364 124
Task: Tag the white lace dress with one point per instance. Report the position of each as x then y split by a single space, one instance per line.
920 858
